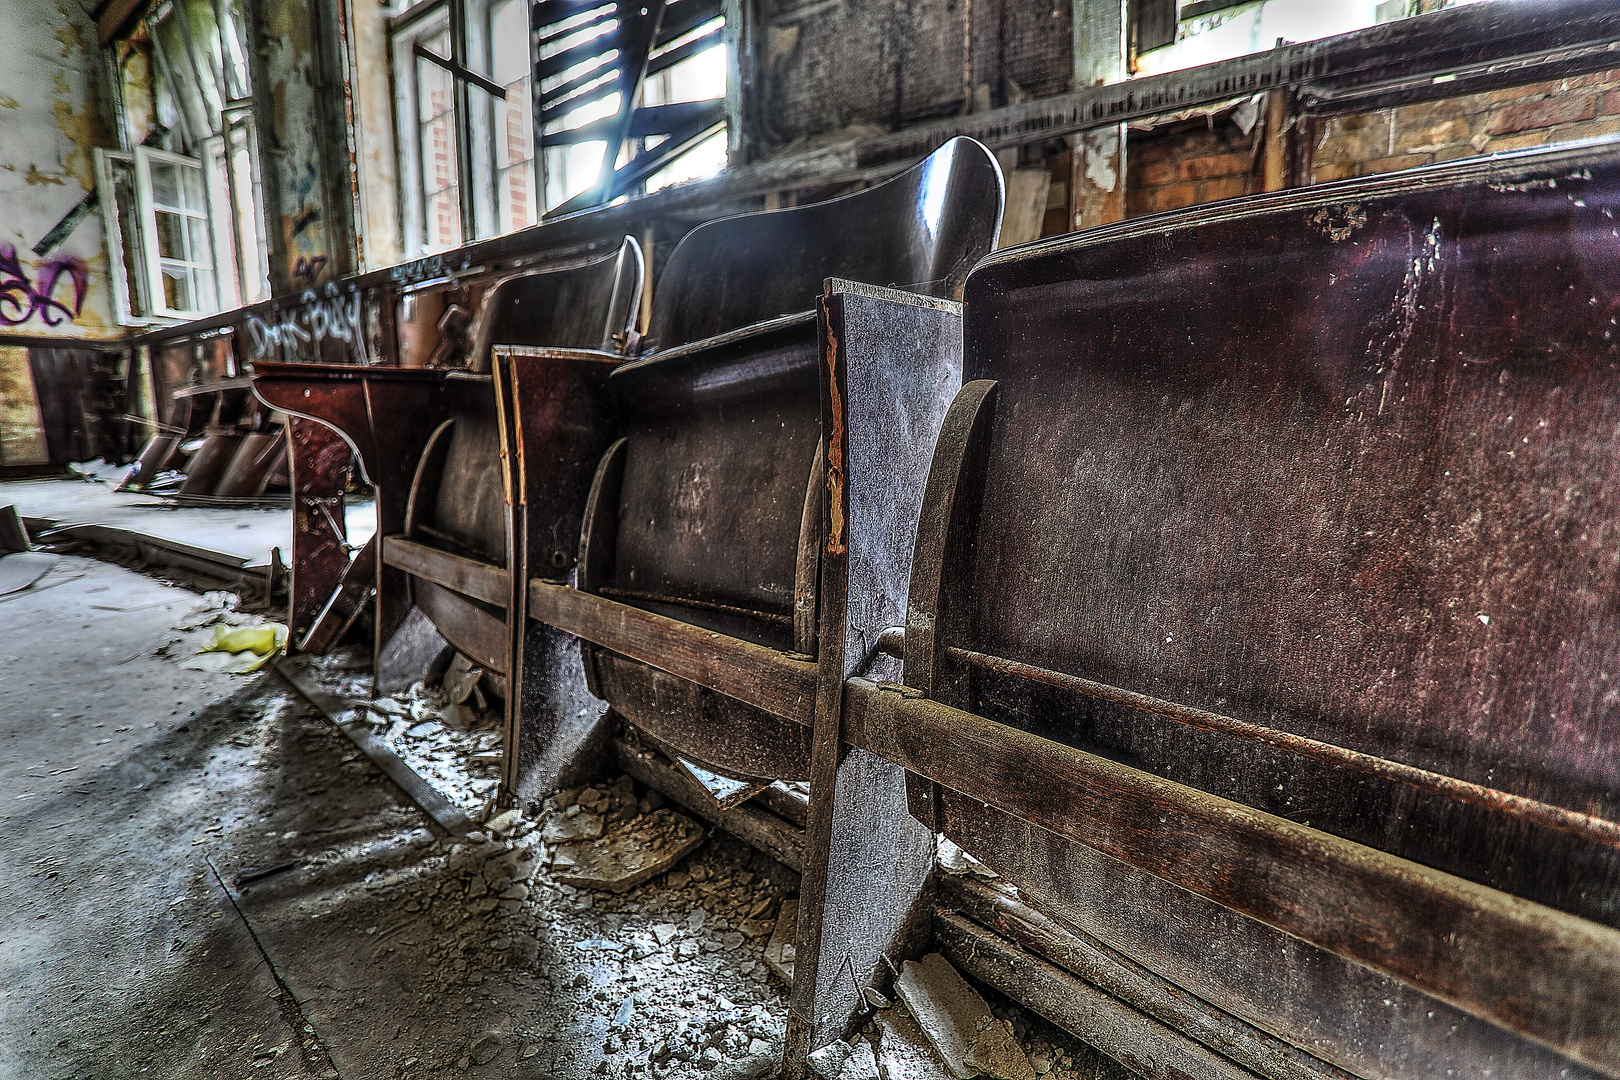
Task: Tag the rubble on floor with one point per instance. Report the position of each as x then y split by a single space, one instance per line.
488 952
665 973
455 747
217 634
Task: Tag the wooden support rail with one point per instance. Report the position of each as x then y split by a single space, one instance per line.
753 674
1549 976
1587 827
469 577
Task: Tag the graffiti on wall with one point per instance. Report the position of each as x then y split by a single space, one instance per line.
330 315
53 292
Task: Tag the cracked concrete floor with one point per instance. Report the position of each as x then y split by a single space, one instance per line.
133 793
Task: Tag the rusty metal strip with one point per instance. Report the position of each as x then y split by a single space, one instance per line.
705 605
1532 811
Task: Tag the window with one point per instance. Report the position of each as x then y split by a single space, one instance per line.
514 116
181 198
466 137
662 128
178 234
437 136
1214 30
466 108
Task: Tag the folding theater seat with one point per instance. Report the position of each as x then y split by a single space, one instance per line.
1262 628
746 539
430 443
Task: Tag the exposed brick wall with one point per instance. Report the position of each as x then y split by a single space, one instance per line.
1187 163
1539 114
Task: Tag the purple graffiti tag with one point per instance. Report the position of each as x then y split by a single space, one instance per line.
52 311
16 290
21 297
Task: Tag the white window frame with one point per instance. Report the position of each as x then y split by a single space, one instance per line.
155 261
129 309
145 305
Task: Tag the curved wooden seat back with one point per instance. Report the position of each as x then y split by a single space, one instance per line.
722 438
712 506
591 306
921 231
718 502
585 307
1338 466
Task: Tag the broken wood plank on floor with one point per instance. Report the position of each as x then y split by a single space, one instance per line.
441 810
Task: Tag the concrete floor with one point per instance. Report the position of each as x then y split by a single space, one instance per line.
246 533
132 792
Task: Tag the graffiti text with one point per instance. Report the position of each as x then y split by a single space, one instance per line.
318 318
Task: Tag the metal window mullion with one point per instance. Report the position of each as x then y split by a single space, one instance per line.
463 115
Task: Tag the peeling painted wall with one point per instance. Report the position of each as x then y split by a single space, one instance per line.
382 244
308 221
52 117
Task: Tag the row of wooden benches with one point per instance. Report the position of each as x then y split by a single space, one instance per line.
1239 584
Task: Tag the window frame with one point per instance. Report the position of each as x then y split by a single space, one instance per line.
154 260
476 115
207 85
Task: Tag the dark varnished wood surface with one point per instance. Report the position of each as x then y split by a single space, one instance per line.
1353 482
318 462
753 674
1337 464
386 415
473 579
1542 973
920 232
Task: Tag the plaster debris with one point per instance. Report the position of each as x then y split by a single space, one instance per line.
903 1050
829 1060
861 1064
486 1048
569 827
637 850
455 748
958 1023
953 860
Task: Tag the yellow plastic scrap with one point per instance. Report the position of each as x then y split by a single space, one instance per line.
237 650
262 640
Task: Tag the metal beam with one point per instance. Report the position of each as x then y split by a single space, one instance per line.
1463 50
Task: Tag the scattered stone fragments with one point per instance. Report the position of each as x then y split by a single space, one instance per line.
861 1064
828 1062
903 1050
958 1023
486 1048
